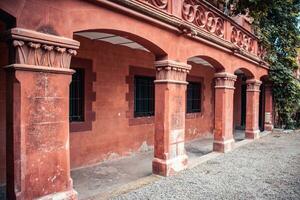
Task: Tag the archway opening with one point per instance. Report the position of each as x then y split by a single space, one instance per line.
111 110
200 104
240 103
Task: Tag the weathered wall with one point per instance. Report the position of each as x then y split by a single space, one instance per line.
113 131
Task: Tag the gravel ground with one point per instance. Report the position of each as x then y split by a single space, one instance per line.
268 168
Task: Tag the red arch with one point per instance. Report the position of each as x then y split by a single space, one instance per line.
216 64
247 72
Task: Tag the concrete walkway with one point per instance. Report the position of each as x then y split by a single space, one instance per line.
267 168
102 179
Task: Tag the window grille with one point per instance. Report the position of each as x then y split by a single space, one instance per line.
143 96
193 97
77 96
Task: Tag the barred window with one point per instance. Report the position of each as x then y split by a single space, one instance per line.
193 97
77 96
143 96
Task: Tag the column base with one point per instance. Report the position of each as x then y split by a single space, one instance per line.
68 195
252 134
169 167
269 127
223 146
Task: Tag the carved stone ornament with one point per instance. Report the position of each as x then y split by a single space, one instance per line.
261 53
194 12
225 80
34 48
242 39
161 4
253 85
171 71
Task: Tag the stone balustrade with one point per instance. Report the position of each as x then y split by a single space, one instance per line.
202 16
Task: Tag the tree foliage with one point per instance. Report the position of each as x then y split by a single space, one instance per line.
276 23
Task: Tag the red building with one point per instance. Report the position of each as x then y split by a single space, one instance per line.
147 72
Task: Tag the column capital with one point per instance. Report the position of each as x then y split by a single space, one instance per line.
253 85
169 71
33 49
225 80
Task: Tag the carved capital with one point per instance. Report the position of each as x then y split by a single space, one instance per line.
253 85
43 50
171 71
225 80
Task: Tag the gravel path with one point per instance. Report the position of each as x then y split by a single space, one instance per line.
268 168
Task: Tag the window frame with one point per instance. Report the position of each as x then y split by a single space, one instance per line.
198 110
148 113
90 78
81 116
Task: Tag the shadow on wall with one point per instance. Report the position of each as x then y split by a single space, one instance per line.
6 22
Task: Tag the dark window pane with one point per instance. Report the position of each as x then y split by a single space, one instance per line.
77 96
143 96
193 97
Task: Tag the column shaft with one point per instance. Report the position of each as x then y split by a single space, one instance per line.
224 93
268 108
38 157
170 103
252 110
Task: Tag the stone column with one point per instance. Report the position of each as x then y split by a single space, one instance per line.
252 109
268 108
38 157
224 93
170 105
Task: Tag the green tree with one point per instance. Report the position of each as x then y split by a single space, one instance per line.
276 24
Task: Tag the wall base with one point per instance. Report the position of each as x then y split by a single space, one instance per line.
252 134
223 146
169 167
269 127
68 195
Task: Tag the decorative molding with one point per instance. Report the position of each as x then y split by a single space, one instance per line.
261 52
161 4
253 85
241 39
34 68
225 80
174 23
39 49
194 12
171 72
